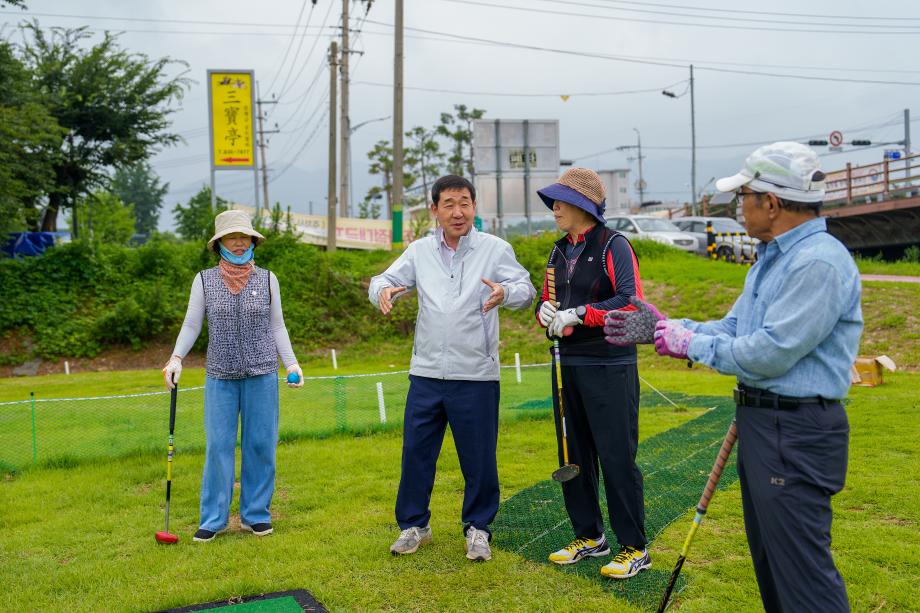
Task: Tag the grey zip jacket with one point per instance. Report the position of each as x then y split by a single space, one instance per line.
454 339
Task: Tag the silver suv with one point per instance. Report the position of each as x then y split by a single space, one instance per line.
731 247
653 228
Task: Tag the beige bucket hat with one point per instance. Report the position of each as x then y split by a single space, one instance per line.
229 222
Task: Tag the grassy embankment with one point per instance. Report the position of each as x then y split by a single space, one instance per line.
82 539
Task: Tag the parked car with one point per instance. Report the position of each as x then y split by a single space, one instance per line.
653 228
743 247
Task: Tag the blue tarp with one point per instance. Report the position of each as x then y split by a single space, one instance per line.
24 244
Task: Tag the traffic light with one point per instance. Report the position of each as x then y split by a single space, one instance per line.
860 143
817 143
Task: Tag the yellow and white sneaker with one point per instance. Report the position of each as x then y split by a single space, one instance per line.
627 563
580 548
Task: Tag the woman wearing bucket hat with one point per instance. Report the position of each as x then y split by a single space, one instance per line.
246 334
595 270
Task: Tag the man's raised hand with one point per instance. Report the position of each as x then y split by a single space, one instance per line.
385 299
495 298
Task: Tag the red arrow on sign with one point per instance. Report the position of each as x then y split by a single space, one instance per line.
231 160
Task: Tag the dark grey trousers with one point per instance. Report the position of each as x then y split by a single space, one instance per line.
602 420
790 464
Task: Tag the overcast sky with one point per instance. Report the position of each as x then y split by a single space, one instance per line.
655 42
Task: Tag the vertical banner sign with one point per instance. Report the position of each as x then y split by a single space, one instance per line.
231 102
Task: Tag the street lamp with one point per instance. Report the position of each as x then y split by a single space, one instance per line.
670 94
352 130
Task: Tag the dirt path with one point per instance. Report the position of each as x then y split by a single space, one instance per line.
890 278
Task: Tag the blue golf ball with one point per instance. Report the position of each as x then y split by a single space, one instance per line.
293 377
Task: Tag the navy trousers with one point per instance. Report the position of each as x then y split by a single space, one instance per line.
790 463
471 410
602 423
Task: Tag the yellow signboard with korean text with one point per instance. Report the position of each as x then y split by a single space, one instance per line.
230 99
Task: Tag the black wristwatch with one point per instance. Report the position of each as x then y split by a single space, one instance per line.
581 311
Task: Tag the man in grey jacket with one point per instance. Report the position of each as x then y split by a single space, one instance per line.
461 275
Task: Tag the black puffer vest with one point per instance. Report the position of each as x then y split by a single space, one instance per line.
589 284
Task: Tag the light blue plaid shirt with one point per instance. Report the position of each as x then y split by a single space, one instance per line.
795 328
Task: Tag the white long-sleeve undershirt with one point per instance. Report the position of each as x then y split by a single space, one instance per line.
194 318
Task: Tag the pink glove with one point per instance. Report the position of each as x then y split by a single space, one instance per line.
672 339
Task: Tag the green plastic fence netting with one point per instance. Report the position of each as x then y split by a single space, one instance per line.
67 431
675 465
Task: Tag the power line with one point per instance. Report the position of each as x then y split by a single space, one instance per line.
303 99
290 44
518 94
284 85
747 12
149 19
695 62
476 41
679 23
302 148
722 17
309 55
862 128
634 60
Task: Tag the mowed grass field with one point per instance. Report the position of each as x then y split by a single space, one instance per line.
81 538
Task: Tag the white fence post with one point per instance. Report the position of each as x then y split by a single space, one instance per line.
66 367
380 403
517 366
335 364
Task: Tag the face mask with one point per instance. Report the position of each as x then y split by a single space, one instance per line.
239 260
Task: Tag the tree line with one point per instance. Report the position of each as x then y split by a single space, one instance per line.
424 160
79 118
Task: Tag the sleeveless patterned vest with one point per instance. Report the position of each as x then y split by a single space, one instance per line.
240 342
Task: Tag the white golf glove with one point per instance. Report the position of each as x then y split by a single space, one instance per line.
563 320
546 313
295 368
172 371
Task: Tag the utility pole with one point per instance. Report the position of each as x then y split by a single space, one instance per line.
262 133
330 216
906 132
641 179
692 145
640 184
908 162
397 125
344 122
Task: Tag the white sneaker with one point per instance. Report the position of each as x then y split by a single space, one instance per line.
477 545
411 539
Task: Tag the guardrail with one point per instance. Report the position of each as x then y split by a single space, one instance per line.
879 181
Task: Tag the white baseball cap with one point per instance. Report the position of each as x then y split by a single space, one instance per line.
789 170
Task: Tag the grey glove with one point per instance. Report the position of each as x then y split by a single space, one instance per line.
632 327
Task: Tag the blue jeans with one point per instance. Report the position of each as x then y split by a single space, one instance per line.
471 410
255 400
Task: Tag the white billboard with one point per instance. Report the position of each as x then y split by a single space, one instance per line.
513 201
512 159
505 140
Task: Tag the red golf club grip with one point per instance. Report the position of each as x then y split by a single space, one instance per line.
718 467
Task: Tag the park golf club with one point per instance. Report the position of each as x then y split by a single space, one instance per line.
567 471
166 536
730 437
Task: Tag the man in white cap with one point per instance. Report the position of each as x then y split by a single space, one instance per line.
790 339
